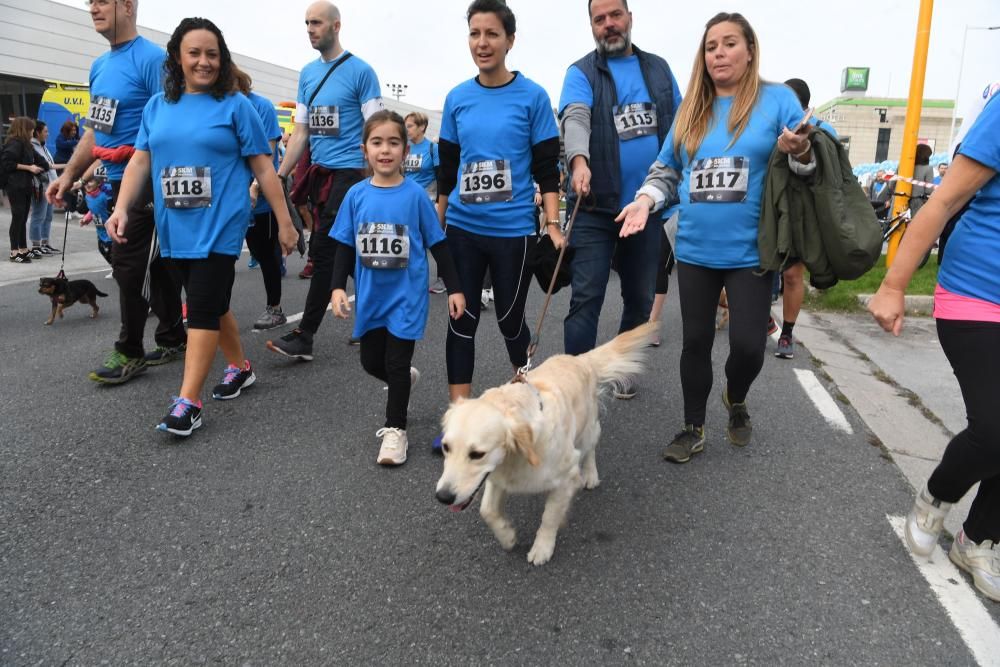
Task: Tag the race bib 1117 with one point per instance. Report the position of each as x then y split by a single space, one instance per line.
718 180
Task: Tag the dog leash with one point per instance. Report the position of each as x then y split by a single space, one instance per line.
62 262
522 372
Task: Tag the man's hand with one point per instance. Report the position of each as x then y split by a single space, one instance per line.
338 301
581 176
456 305
116 224
57 189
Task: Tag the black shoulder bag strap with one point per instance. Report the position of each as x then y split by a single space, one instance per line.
328 73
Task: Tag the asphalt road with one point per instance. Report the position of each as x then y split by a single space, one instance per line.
272 537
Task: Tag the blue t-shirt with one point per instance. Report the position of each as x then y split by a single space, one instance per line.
635 155
721 188
211 209
97 203
269 119
335 119
496 129
125 77
421 162
394 298
971 267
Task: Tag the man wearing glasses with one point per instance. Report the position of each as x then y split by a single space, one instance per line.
121 82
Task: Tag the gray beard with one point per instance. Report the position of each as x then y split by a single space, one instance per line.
609 51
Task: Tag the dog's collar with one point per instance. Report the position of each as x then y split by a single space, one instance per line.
522 378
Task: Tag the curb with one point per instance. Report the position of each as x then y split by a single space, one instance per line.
916 304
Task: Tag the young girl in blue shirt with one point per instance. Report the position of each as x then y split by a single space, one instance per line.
383 231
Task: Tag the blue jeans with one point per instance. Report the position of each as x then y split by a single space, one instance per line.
39 221
595 238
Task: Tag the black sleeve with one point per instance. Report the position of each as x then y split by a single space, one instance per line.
343 262
446 267
449 155
545 165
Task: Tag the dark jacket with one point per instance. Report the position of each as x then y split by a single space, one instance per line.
824 219
605 167
15 153
65 148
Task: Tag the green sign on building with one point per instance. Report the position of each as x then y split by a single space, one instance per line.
854 79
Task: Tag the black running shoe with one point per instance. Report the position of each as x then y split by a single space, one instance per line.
739 428
184 417
234 381
118 369
297 344
164 355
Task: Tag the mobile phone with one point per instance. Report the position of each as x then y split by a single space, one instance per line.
803 122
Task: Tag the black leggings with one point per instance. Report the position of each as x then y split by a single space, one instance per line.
388 358
749 297
665 263
262 239
506 259
20 206
973 349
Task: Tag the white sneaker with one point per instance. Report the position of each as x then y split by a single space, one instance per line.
414 377
393 449
485 298
981 560
924 523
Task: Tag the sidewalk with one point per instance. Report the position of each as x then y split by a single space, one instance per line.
81 254
903 388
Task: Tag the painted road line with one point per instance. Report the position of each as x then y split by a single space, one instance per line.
823 401
961 602
298 316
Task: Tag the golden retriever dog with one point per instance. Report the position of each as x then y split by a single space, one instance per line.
535 436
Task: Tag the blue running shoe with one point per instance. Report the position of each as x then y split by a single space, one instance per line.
253 263
436 445
284 269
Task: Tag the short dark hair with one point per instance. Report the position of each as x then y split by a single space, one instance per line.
923 155
591 2
173 85
39 126
498 7
801 89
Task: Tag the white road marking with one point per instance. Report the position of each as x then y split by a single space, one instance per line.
298 316
823 401
961 602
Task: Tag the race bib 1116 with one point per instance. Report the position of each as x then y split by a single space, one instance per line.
383 245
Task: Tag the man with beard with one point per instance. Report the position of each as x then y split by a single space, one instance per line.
616 108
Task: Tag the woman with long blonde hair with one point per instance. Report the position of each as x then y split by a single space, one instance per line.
715 160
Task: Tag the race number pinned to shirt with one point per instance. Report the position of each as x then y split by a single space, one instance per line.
413 162
101 116
383 245
719 180
486 181
187 187
324 121
635 120
101 173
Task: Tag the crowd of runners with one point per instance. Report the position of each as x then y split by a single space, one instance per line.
191 156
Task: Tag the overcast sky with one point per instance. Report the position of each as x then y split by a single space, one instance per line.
423 45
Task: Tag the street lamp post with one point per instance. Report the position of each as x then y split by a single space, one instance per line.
961 65
397 89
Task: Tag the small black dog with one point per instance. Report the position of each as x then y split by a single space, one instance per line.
64 293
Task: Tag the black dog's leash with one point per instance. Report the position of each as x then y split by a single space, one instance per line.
62 263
